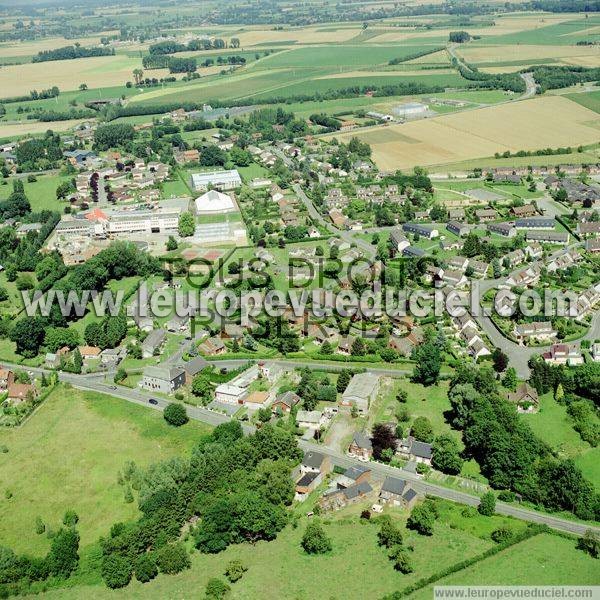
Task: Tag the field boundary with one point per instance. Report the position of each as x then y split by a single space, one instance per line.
531 532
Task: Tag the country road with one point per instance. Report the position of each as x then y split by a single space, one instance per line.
84 382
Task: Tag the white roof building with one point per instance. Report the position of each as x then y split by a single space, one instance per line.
224 180
214 202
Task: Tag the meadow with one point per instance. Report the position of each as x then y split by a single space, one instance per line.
280 569
41 193
68 455
542 560
553 425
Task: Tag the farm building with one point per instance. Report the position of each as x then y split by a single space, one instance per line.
410 110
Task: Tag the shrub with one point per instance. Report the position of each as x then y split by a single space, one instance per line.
175 414
172 559
116 571
389 535
315 540
487 504
502 535
40 527
590 543
70 519
234 570
216 589
145 568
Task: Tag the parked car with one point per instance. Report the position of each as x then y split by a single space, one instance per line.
153 401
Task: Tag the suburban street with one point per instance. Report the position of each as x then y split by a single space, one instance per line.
347 236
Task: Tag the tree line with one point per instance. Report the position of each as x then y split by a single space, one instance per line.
508 452
72 52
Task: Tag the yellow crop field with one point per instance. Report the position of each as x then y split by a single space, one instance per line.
300 36
506 53
526 125
440 57
29 127
100 71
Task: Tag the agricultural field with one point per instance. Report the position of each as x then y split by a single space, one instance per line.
528 125
545 559
58 460
97 72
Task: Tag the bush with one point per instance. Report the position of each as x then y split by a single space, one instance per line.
172 559
389 535
70 519
315 540
40 527
234 570
216 589
175 414
145 568
590 543
502 535
116 571
487 505
507 496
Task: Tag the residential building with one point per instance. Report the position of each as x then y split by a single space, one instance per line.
285 401
504 229
345 496
422 230
457 228
414 450
230 394
398 240
528 210
531 223
310 419
525 398
153 342
539 330
551 237
315 462
564 354
162 379
212 347
395 491
361 446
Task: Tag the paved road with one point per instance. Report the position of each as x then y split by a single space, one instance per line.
530 86
347 236
204 415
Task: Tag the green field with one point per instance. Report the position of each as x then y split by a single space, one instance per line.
337 55
590 100
41 193
68 455
543 560
557 34
280 569
553 426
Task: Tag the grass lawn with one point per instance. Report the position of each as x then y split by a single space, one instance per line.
430 402
41 193
554 426
68 455
542 560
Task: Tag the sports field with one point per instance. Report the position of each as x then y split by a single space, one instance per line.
551 121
